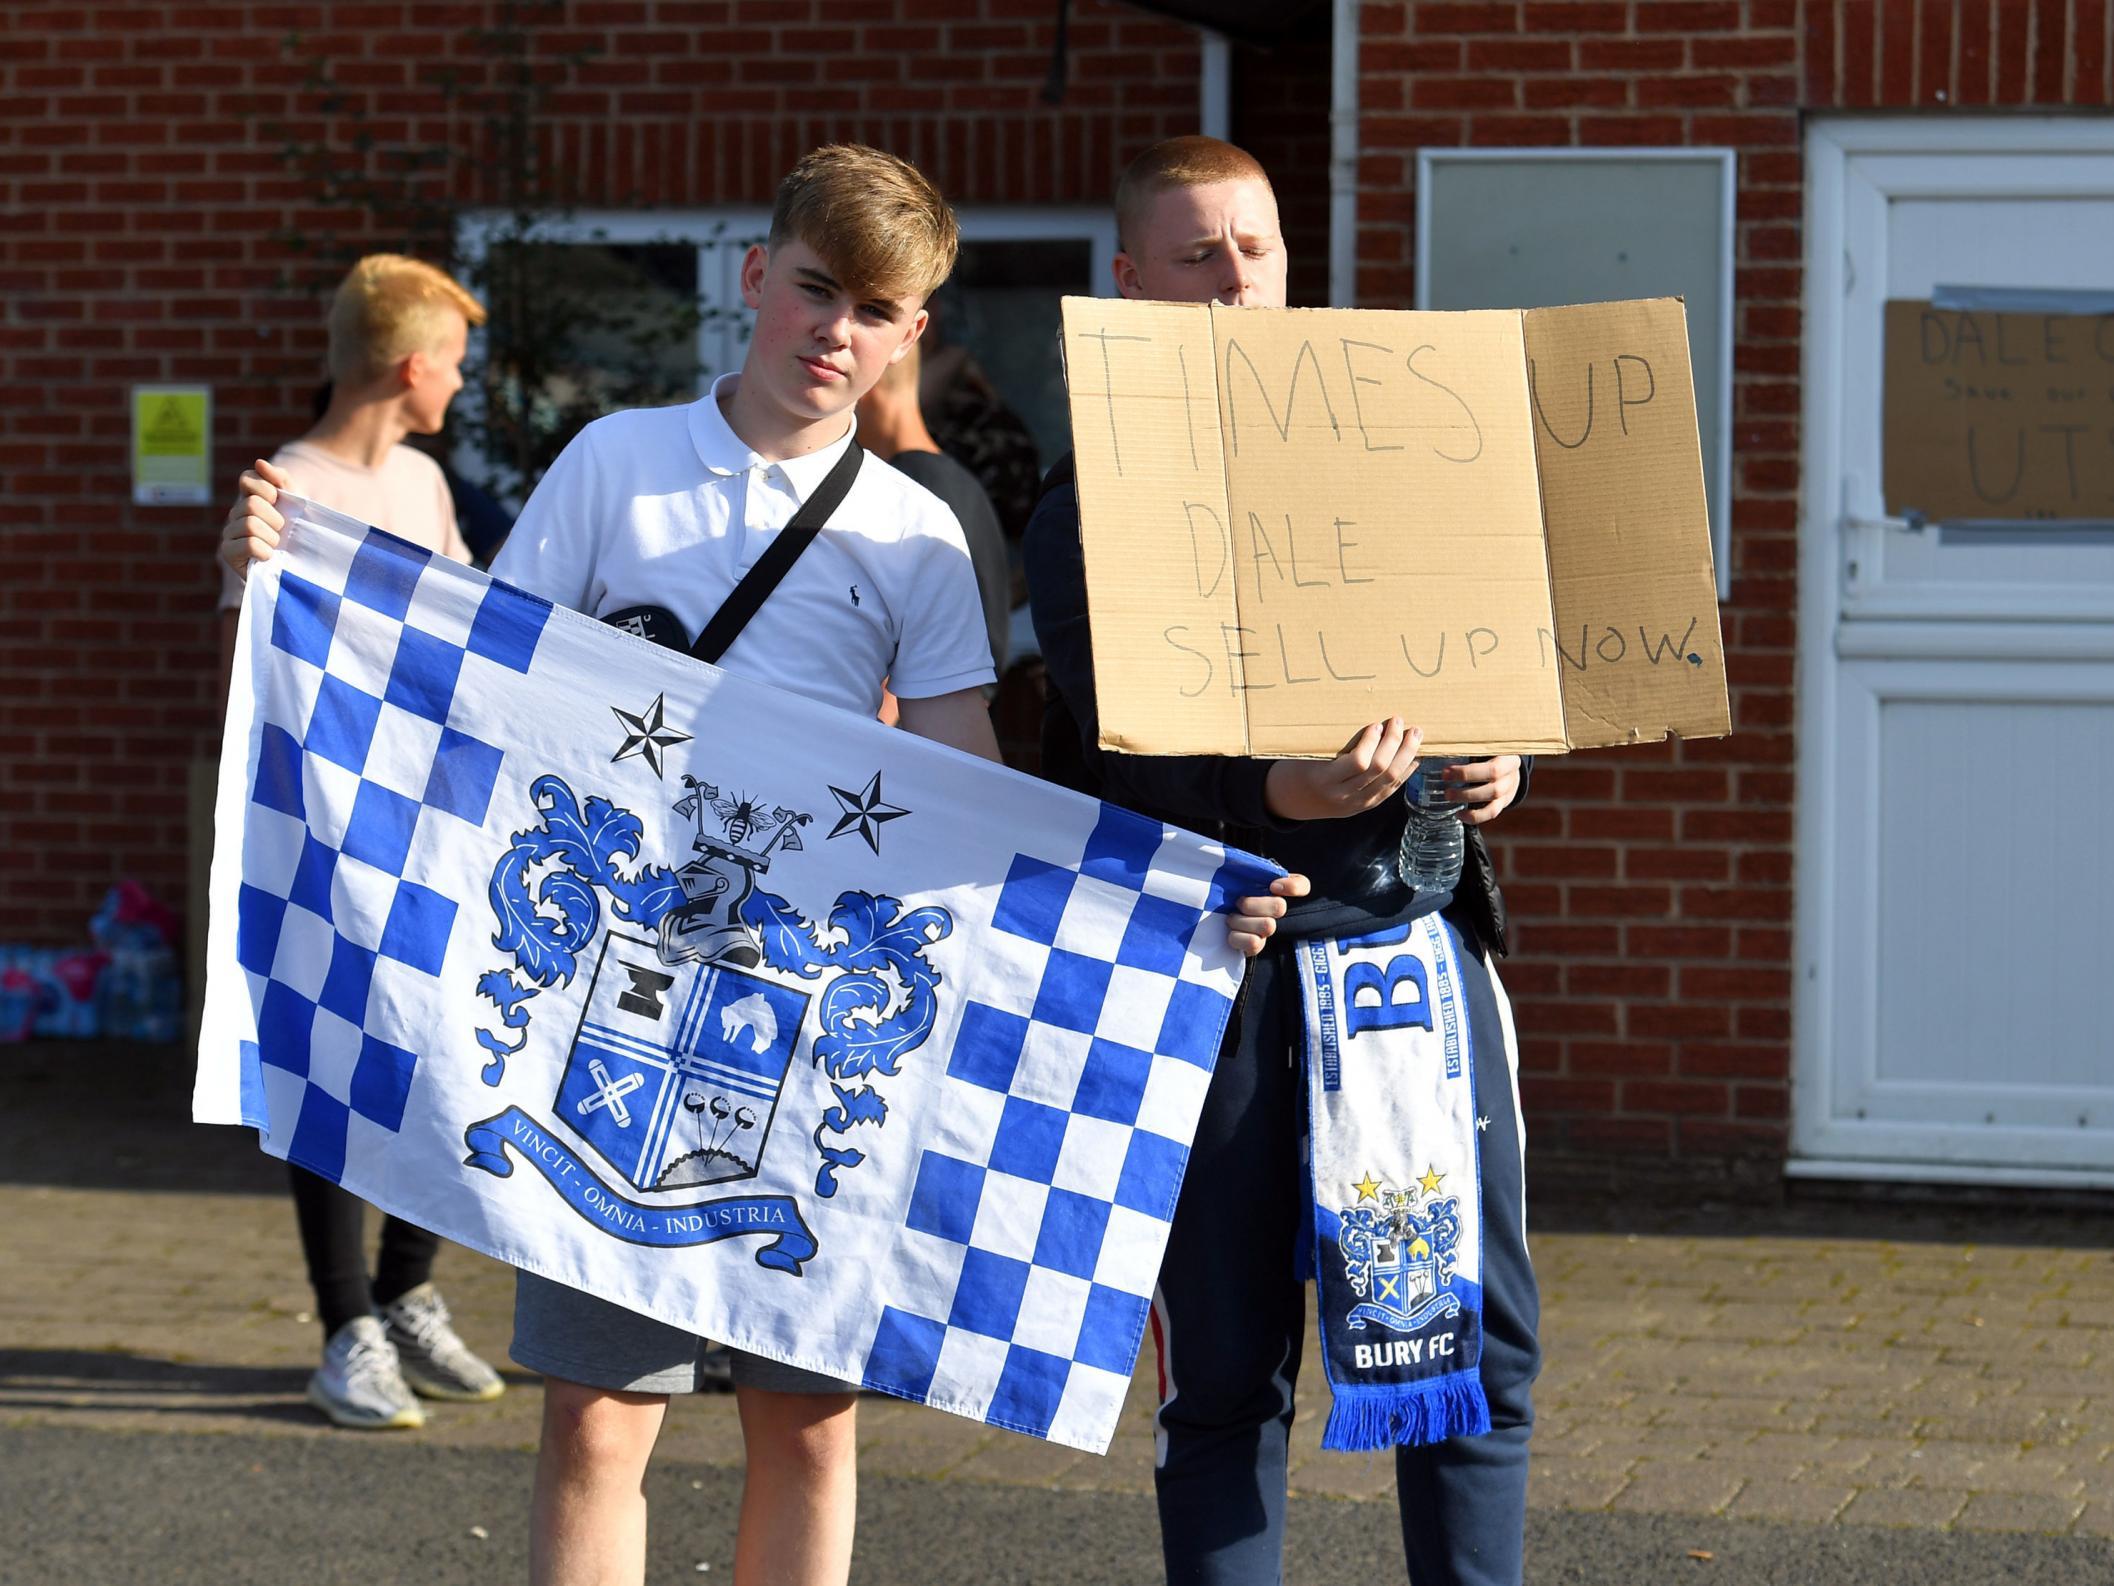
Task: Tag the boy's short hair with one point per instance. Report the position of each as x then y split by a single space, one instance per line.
1192 161
875 220
389 307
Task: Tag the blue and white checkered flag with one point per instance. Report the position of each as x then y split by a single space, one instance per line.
741 1011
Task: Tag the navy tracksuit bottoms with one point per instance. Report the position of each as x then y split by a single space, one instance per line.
1230 1321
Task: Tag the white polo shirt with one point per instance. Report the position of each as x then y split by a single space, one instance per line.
669 507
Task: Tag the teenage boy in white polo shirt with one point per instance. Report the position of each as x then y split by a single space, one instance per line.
662 511
649 518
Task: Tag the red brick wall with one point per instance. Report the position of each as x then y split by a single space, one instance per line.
1652 886
1280 114
142 181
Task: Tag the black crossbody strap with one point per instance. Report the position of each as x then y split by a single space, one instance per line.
748 596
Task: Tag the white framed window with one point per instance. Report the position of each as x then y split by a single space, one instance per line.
647 306
1538 228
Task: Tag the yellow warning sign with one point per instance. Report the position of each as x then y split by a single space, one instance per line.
172 444
173 424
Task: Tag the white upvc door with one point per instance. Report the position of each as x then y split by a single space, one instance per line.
1954 1013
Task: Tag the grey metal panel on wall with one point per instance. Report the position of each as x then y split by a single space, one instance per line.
1535 228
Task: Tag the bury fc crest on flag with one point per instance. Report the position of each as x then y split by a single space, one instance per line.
674 1074
674 1077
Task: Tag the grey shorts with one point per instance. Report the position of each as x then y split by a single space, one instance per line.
580 1337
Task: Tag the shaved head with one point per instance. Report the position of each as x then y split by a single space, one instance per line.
1194 161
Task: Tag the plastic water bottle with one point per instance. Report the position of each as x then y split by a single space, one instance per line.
1433 839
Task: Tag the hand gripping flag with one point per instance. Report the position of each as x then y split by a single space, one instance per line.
736 1009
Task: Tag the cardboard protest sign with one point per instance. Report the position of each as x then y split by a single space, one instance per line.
1296 521
1998 416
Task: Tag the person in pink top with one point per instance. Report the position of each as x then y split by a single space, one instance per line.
398 331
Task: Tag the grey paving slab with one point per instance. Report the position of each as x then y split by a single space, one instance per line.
2046 1513
1902 1507
1814 1502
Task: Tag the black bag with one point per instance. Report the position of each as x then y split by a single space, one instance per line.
661 626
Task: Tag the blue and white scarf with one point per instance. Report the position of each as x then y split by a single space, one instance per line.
1394 1162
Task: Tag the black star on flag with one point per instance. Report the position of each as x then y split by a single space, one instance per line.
865 813
647 735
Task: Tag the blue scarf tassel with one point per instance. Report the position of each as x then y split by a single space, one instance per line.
1364 1420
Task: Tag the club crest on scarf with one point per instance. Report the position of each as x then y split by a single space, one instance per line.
1399 1257
699 989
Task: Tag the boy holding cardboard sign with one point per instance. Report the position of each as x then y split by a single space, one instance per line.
1432 1347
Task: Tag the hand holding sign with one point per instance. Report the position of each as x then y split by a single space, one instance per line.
1484 788
1369 770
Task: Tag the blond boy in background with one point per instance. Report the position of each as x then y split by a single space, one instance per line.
398 330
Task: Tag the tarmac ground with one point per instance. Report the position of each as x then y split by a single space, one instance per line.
1826 1390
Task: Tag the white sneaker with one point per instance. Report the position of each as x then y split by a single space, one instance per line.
359 1383
434 1359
